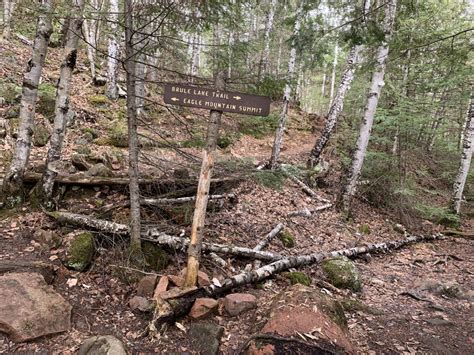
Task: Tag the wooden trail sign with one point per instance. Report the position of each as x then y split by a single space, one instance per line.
218 100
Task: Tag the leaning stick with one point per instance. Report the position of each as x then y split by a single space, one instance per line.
306 212
268 238
154 235
304 186
167 312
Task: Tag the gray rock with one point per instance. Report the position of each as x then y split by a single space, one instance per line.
102 345
342 273
205 337
141 303
79 251
99 170
30 308
40 135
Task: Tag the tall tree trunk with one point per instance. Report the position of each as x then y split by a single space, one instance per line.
62 101
287 92
371 107
91 31
8 9
13 181
278 65
134 189
195 53
262 68
202 195
336 106
466 156
333 75
437 119
113 52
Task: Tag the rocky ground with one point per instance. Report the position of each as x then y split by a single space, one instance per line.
418 299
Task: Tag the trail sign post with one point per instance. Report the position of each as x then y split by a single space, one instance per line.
218 100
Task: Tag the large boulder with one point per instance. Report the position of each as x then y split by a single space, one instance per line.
237 303
302 320
30 308
79 251
342 273
102 345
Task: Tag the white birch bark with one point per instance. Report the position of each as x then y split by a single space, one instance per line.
266 39
195 54
133 150
280 42
91 31
287 92
371 106
62 100
336 105
13 180
466 157
333 75
113 51
8 9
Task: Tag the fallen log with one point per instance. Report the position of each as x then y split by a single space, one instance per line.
155 236
306 212
167 311
167 201
303 186
268 238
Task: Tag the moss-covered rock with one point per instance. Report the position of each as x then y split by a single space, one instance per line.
46 100
14 124
287 238
364 229
99 170
10 92
156 258
40 135
99 100
298 277
103 141
342 273
80 251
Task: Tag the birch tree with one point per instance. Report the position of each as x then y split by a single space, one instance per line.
135 245
262 69
338 103
91 31
333 74
113 51
62 101
13 181
466 156
8 9
371 106
287 92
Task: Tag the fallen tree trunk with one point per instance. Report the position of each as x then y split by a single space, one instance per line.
306 212
167 201
268 238
166 311
303 186
155 236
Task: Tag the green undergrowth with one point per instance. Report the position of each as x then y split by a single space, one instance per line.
257 126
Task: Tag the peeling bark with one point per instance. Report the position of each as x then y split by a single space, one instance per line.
466 157
62 101
113 52
371 106
269 237
13 181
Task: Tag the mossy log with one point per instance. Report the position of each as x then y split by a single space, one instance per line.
171 308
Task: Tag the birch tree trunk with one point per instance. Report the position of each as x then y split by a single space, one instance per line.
336 106
91 31
113 51
135 245
13 181
371 106
202 195
62 100
262 69
195 53
8 9
287 92
333 75
466 156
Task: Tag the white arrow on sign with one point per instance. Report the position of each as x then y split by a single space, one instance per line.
236 97
174 99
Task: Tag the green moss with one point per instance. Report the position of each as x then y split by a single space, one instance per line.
10 92
40 135
103 141
364 229
155 256
99 100
441 215
118 136
287 239
298 277
227 140
93 132
80 252
342 273
351 305
258 127
194 142
46 100
271 179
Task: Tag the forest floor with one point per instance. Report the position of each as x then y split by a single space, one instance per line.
384 318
